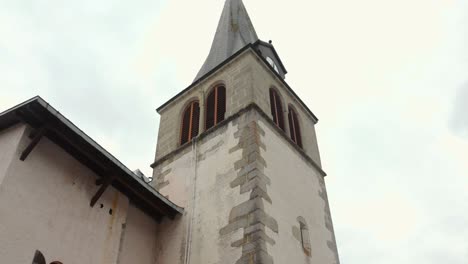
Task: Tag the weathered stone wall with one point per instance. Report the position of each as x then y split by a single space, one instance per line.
247 80
201 174
264 79
243 186
237 77
44 205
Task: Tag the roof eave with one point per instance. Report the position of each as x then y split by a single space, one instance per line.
36 112
261 42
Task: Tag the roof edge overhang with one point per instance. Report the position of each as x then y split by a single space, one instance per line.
269 45
37 113
247 47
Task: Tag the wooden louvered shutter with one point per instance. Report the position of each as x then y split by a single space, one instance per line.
298 130
276 109
273 107
279 110
291 125
184 135
195 120
220 104
215 106
190 123
210 105
294 128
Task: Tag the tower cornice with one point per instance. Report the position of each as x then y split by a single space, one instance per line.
250 107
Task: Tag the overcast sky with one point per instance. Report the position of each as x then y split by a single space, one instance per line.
387 79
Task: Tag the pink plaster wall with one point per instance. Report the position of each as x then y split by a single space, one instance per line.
139 241
44 205
9 139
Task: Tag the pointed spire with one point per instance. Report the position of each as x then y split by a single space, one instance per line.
235 31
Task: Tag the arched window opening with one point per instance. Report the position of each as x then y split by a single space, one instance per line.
276 108
38 258
215 106
56 262
190 122
294 128
272 63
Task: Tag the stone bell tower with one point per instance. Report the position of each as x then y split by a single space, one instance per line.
237 149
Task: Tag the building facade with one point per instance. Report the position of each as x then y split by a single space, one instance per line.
237 174
238 150
64 199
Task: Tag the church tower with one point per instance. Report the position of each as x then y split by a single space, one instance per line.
237 150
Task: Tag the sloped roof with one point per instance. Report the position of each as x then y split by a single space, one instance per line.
235 31
38 113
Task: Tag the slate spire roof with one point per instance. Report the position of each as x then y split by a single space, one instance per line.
235 31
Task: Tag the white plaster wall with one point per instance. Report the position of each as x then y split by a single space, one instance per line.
294 192
214 200
170 246
206 171
179 177
9 139
238 79
139 240
44 205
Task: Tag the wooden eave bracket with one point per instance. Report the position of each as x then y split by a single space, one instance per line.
36 137
105 184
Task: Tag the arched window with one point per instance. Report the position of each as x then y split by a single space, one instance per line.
294 128
56 262
276 108
215 106
190 120
38 258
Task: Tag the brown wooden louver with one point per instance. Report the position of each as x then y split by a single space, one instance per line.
190 122
276 108
294 128
215 106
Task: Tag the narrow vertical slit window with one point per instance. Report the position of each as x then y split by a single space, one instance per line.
190 122
305 240
215 106
276 107
294 128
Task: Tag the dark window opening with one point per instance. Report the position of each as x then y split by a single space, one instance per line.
276 108
304 236
38 258
215 106
294 128
305 240
190 122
